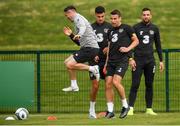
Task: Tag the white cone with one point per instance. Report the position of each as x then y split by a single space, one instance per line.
9 118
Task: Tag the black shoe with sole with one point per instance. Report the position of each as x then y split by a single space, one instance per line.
109 115
124 112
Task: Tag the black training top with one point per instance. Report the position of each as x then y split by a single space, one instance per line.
147 34
101 31
119 37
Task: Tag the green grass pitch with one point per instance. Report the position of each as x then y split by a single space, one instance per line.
82 119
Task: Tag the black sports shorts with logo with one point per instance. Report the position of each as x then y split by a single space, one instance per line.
86 54
118 68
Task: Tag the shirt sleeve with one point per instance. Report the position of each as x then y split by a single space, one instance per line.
158 44
80 24
135 29
109 34
130 31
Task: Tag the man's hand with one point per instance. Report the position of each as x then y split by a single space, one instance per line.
132 63
104 70
67 31
105 50
161 66
124 49
76 37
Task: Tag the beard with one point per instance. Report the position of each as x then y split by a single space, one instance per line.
146 21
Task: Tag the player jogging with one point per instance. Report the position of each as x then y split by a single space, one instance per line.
86 38
101 28
122 39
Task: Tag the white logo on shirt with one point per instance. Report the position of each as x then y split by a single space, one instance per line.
151 32
141 32
120 69
121 30
106 30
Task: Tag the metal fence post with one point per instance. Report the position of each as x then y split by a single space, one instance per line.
38 83
167 78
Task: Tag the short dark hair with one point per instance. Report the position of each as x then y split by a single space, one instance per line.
99 9
116 12
146 9
70 7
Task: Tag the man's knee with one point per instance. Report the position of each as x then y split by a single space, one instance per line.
109 85
134 87
117 80
69 59
69 65
70 62
95 84
149 86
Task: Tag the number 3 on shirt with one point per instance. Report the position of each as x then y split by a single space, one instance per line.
100 37
146 39
114 38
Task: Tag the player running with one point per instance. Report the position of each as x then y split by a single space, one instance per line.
86 38
101 27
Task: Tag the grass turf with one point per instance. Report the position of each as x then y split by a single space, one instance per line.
82 119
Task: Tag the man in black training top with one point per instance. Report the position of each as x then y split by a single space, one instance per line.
122 40
144 61
100 27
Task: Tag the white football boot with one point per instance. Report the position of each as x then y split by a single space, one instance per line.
92 116
68 89
96 72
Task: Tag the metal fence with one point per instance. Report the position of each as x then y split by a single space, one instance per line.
51 76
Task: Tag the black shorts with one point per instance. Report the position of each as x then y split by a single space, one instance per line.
86 54
118 68
102 75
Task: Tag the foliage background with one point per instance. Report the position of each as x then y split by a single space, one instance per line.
38 24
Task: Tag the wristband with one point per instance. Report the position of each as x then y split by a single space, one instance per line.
71 36
130 59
